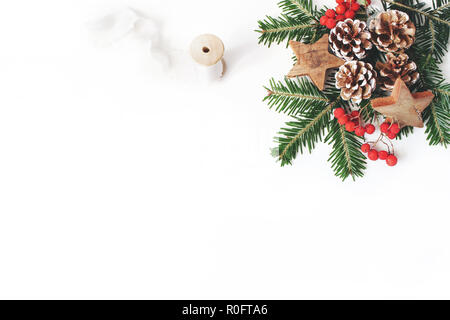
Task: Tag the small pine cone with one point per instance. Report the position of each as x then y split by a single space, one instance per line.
396 67
392 31
357 80
350 40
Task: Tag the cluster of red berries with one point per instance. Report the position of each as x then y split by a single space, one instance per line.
374 155
352 122
390 130
346 9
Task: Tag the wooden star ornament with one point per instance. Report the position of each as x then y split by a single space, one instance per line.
404 106
313 60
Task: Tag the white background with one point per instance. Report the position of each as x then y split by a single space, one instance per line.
118 180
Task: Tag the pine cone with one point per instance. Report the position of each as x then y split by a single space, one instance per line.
350 40
396 67
392 31
357 80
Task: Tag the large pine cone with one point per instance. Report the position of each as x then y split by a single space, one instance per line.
392 31
350 40
396 66
357 80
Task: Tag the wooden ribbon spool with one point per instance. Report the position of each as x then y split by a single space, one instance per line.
208 50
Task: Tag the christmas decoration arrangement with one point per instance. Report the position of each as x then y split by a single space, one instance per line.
363 78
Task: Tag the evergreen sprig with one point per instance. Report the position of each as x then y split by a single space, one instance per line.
302 133
438 117
299 21
294 96
346 157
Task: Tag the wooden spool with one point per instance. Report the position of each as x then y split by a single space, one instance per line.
207 50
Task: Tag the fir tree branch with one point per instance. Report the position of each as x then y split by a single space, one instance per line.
290 28
433 41
299 21
442 7
299 7
426 14
287 28
346 149
346 157
445 92
304 132
436 123
295 96
437 117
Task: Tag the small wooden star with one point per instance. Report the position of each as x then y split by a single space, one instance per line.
313 60
404 106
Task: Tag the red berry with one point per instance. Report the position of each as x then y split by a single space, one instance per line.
383 155
340 9
340 17
395 128
370 128
360 131
365 148
373 155
331 23
350 126
343 119
355 6
384 127
349 14
339 112
330 13
323 20
348 5
391 160
354 114
340 1
391 135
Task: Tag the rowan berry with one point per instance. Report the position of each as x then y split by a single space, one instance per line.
331 23
360 131
349 14
365 148
355 6
373 155
330 13
340 9
343 119
383 155
391 160
370 128
350 126
395 128
338 112
384 127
